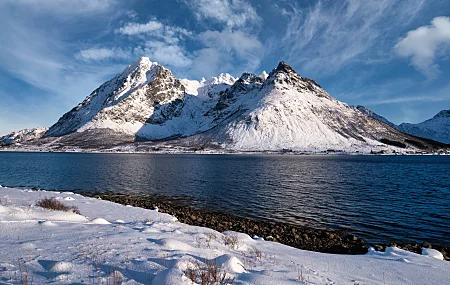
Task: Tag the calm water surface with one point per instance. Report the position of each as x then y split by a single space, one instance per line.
380 198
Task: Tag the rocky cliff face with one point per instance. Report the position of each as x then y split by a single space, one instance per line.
276 111
145 92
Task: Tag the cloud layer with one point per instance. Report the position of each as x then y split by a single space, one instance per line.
234 14
93 54
234 39
334 34
423 45
349 46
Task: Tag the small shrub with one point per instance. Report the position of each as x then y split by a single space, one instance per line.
231 240
208 274
210 236
258 253
55 205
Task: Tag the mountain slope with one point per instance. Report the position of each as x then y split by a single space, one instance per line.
126 102
287 111
276 111
144 102
374 115
436 128
22 136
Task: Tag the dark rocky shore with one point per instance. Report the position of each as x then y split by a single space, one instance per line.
327 241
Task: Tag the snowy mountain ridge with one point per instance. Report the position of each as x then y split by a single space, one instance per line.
23 136
270 112
374 115
436 128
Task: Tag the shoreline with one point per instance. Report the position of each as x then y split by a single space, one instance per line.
301 237
110 243
183 152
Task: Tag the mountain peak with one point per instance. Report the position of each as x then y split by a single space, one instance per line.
249 78
142 63
264 75
283 66
144 60
443 114
223 78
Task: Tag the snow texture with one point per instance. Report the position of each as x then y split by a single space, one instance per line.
270 112
436 128
147 247
23 136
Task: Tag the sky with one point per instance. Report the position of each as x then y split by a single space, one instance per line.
390 56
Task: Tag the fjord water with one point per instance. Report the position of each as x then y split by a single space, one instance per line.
379 198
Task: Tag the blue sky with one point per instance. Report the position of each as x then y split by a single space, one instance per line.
391 56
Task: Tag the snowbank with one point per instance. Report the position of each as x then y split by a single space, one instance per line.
115 243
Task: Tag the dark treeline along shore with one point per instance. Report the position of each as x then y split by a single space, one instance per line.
307 238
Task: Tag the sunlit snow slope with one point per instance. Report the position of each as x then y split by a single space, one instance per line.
22 136
436 128
275 111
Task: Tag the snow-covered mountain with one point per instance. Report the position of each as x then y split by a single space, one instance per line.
374 115
276 111
436 128
23 136
287 111
144 91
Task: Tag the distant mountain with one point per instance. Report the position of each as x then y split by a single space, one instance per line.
23 136
436 128
374 115
279 111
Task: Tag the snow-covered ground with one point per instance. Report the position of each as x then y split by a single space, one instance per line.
114 244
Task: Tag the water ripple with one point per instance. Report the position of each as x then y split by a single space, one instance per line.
381 198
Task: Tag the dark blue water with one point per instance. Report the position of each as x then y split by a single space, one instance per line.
380 198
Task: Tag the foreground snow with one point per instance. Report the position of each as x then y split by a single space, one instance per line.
112 242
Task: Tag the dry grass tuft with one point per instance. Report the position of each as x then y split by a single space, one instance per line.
232 241
55 205
208 274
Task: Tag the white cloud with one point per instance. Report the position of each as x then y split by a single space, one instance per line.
424 44
136 29
232 13
217 49
333 34
132 14
154 28
408 99
68 8
166 46
94 54
244 51
41 60
209 62
165 53
238 42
